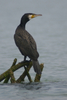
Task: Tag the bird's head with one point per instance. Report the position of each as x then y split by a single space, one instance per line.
31 15
27 16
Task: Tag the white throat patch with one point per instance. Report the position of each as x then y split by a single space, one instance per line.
30 17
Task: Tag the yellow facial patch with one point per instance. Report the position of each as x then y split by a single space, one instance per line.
31 16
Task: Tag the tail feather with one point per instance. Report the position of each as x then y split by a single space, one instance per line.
36 67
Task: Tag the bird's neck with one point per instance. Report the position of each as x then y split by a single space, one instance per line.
23 22
23 25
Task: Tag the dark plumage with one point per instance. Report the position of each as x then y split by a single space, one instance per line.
26 43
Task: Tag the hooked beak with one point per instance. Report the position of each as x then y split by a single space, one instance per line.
36 15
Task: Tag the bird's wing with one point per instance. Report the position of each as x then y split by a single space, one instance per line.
27 40
26 44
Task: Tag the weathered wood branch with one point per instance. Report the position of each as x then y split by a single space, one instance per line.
10 75
21 78
7 78
14 68
37 77
28 75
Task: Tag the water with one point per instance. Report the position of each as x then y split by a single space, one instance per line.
50 33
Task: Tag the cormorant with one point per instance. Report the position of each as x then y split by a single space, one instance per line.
26 43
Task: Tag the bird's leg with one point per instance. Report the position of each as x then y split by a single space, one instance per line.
24 58
24 61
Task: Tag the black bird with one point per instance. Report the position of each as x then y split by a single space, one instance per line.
26 43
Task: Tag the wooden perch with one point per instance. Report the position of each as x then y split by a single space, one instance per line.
10 75
13 68
7 78
21 78
37 77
